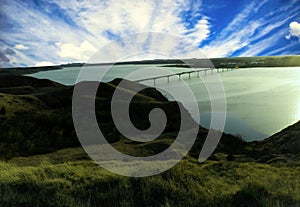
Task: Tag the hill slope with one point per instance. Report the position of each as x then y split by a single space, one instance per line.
40 121
40 168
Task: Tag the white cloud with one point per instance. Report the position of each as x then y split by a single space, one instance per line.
82 52
21 47
97 23
44 63
200 32
119 19
294 30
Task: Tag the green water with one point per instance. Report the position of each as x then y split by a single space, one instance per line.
260 101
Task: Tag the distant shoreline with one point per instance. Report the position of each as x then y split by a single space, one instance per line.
232 62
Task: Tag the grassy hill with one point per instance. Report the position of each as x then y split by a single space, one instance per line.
68 178
40 120
44 165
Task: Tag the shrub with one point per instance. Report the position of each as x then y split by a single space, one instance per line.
2 110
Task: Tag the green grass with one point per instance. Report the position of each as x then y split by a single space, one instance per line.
41 122
69 178
15 103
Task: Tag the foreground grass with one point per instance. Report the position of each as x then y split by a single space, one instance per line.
49 181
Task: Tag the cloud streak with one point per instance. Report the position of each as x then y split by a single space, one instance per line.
21 47
61 31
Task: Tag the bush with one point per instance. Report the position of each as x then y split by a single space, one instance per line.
2 110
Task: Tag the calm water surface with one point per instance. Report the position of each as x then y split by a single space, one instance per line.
260 101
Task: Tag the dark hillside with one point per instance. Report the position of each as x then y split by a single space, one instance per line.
39 120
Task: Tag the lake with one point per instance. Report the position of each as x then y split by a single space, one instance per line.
260 101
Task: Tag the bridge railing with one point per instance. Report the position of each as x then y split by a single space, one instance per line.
205 70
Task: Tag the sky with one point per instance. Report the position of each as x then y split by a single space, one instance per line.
47 32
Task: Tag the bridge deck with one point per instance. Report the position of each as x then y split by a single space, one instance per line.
182 73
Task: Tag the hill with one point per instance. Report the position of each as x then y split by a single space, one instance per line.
44 165
38 118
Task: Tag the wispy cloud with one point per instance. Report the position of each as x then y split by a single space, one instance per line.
88 25
60 31
250 33
21 47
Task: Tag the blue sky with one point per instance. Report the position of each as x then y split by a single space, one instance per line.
45 32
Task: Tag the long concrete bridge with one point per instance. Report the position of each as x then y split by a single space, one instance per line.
205 70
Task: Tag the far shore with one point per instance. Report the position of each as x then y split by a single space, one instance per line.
232 62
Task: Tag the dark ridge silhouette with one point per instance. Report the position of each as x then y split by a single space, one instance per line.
47 124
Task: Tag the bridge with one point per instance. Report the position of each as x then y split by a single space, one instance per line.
205 70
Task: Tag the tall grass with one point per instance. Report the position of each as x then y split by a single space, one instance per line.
84 183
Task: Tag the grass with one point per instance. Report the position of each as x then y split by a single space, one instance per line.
69 178
41 122
14 103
